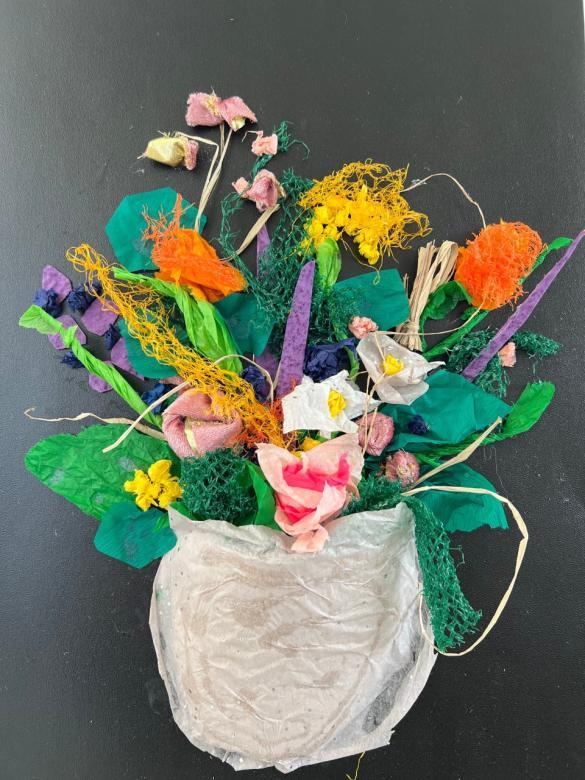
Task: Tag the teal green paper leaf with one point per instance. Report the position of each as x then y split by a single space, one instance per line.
248 324
143 364
328 262
464 511
452 407
133 536
384 301
76 468
127 224
38 319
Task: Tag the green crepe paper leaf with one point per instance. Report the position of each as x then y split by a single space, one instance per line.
248 324
76 468
206 328
464 511
38 319
528 409
265 498
452 407
441 303
384 301
132 536
328 262
127 224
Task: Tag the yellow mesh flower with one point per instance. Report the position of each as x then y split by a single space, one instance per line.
157 488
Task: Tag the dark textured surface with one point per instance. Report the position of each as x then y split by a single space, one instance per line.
489 91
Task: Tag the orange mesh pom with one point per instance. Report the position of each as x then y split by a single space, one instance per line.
492 266
184 257
147 320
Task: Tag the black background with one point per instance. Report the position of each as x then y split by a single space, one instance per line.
491 92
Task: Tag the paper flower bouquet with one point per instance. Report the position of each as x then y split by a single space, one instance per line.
297 461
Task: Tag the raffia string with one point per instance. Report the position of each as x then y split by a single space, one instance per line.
84 415
418 183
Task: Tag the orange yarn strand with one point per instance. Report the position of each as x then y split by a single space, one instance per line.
145 315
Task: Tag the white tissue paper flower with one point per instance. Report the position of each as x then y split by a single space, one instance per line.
326 406
397 372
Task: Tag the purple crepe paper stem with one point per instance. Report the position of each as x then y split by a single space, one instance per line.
516 320
292 359
262 244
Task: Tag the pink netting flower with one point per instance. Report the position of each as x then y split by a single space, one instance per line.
361 326
377 430
264 191
265 145
402 467
312 489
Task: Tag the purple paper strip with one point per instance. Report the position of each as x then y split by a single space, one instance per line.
67 322
97 319
515 322
268 361
53 279
98 384
262 244
297 329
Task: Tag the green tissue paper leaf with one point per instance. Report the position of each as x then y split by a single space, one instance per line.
528 409
452 408
265 498
38 319
133 536
442 302
76 468
464 511
249 325
381 297
127 224
328 262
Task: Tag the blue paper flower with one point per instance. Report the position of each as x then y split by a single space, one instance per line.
149 396
258 381
325 360
47 300
417 425
111 337
79 299
70 360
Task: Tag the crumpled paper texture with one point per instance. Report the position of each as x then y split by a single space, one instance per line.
277 659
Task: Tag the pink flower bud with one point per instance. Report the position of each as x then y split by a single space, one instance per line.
264 191
508 355
361 326
377 430
262 145
402 467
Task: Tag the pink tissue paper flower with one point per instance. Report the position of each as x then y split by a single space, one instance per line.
192 429
508 355
402 467
265 145
209 110
377 430
264 191
312 489
361 326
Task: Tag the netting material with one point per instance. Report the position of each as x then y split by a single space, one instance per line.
452 616
146 317
213 486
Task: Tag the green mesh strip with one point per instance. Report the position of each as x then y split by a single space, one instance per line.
452 616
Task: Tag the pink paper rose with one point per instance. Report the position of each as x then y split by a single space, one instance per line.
192 429
209 110
264 191
402 467
312 489
377 430
361 326
265 145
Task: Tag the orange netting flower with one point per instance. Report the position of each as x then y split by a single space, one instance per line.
493 265
184 257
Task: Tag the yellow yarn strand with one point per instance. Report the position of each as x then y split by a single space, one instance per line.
363 200
145 315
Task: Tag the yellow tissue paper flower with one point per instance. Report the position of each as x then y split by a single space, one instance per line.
336 403
392 365
157 488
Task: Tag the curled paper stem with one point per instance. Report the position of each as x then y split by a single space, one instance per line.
519 558
84 415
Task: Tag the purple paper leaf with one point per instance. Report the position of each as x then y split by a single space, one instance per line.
268 361
290 371
515 322
67 322
119 358
53 279
262 244
98 384
97 319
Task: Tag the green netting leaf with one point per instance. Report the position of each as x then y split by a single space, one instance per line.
328 262
529 408
379 296
127 224
76 468
133 536
249 324
38 319
452 408
464 511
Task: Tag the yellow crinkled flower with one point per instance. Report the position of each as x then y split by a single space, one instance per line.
157 488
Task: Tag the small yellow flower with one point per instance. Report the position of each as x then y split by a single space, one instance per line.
392 365
157 488
336 403
309 443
